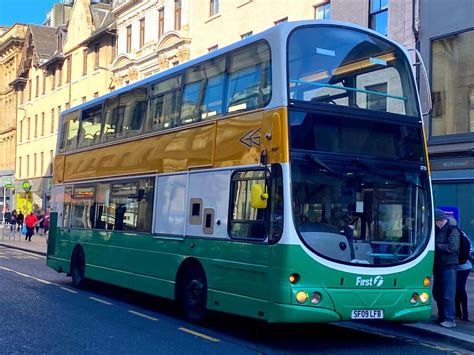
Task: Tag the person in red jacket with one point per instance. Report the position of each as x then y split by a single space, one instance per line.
30 222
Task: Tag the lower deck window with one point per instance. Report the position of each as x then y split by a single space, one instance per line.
123 206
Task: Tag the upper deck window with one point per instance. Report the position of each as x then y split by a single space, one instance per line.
339 66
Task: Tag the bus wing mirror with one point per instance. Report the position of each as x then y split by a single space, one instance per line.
426 104
259 196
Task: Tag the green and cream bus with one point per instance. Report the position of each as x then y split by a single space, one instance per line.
284 177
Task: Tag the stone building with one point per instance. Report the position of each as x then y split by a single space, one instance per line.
60 67
11 46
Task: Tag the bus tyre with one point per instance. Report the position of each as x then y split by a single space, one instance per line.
194 297
78 267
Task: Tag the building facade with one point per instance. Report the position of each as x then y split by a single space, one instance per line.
60 67
448 51
152 36
398 19
11 48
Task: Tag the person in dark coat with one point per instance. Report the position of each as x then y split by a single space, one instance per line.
19 220
445 267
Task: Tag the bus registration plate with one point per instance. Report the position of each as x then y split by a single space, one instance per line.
367 314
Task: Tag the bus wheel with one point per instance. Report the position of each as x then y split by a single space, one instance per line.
78 267
194 296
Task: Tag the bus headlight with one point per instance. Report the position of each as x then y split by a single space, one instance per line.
414 298
424 297
426 281
315 298
301 296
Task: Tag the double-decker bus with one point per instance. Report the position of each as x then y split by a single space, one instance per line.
284 177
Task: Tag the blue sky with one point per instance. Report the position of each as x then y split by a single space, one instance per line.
24 11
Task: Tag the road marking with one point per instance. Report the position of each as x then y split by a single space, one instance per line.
143 315
100 300
5 268
67 289
25 275
204 336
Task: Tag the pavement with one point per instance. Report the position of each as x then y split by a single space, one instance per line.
462 334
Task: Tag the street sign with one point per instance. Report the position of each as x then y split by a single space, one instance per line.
9 186
26 186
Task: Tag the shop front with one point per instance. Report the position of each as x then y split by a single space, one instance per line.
453 189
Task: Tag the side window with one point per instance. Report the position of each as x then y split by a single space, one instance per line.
214 89
246 222
164 109
101 206
112 119
67 207
69 129
203 91
83 207
89 129
130 206
249 78
134 105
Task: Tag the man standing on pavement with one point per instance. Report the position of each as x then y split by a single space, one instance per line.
444 272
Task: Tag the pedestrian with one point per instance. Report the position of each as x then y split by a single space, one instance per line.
30 222
461 299
39 224
19 220
445 268
46 219
13 219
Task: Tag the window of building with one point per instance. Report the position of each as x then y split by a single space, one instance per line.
129 38
51 156
29 90
213 48
36 126
213 7
84 62
378 17
41 163
60 75
281 21
43 91
21 131
68 73
53 78
323 11
22 96
19 167
177 14
96 55
28 166
34 164
142 32
452 73
52 120
42 123
245 221
114 49
374 101
29 129
83 99
37 86
161 22
245 35
95 95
